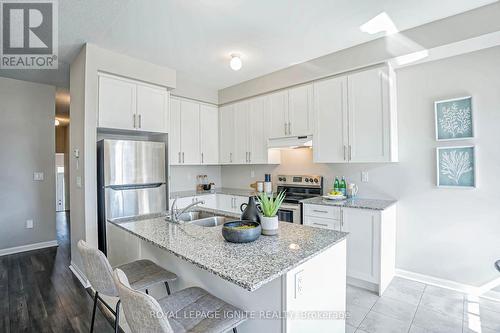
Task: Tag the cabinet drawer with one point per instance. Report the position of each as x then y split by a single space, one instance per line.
326 212
319 222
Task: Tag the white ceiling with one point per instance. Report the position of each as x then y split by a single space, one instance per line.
196 37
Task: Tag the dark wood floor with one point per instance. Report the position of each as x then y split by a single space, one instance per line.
38 292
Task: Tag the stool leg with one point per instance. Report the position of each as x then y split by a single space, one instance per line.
168 288
235 330
147 293
117 317
93 312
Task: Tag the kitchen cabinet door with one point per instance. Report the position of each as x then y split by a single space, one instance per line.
369 116
174 133
276 105
300 110
257 138
190 132
117 103
209 134
225 202
226 134
363 243
330 140
238 201
241 130
151 108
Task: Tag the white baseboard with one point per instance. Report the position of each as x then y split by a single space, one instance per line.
29 247
448 284
79 275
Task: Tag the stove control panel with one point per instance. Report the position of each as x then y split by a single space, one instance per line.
302 180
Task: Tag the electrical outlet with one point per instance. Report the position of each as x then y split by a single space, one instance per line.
299 284
29 224
252 173
38 176
364 176
79 181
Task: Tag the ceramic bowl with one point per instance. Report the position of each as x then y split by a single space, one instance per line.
241 231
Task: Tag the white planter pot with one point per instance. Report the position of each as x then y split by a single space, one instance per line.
269 225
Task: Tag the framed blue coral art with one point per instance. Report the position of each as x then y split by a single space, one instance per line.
456 166
454 120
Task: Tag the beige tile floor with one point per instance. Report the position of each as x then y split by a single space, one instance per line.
414 307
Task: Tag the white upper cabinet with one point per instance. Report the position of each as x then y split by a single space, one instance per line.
276 105
369 116
356 118
152 108
117 103
241 130
190 132
330 107
300 115
209 134
131 105
174 137
226 134
257 138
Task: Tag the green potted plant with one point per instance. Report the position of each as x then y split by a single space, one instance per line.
269 207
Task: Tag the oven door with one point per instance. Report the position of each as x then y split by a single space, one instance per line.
290 213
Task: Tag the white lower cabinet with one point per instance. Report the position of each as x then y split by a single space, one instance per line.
371 243
225 202
230 203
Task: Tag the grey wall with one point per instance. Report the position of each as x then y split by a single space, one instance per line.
446 233
27 144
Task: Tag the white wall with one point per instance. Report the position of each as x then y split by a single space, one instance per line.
447 233
183 178
27 144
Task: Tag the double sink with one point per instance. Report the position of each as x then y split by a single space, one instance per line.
203 219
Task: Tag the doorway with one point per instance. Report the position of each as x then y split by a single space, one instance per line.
60 183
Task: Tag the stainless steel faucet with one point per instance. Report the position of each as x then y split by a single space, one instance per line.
175 213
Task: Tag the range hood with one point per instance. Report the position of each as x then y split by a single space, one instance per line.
290 142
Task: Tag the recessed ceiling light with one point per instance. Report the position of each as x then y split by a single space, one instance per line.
57 122
380 23
235 62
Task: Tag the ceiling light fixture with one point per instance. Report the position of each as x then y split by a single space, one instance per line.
57 122
235 62
380 23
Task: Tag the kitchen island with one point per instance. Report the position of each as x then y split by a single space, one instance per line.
293 282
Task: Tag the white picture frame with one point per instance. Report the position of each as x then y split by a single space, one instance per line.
457 176
459 128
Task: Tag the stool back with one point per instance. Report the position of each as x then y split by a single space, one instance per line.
98 270
143 313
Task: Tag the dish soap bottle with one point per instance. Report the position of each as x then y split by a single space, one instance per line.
343 186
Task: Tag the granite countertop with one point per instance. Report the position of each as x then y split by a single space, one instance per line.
221 190
374 204
249 265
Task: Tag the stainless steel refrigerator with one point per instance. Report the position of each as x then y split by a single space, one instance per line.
131 181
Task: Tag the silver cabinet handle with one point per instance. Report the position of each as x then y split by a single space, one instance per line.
345 148
285 129
249 157
201 158
179 158
320 211
182 157
289 128
140 120
321 224
350 152
230 157
134 120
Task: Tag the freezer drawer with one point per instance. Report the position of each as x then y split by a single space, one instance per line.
135 201
133 162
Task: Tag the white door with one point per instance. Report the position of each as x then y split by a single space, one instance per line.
363 243
151 108
241 129
174 133
277 113
300 110
209 134
117 103
257 138
226 138
330 138
369 122
190 132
